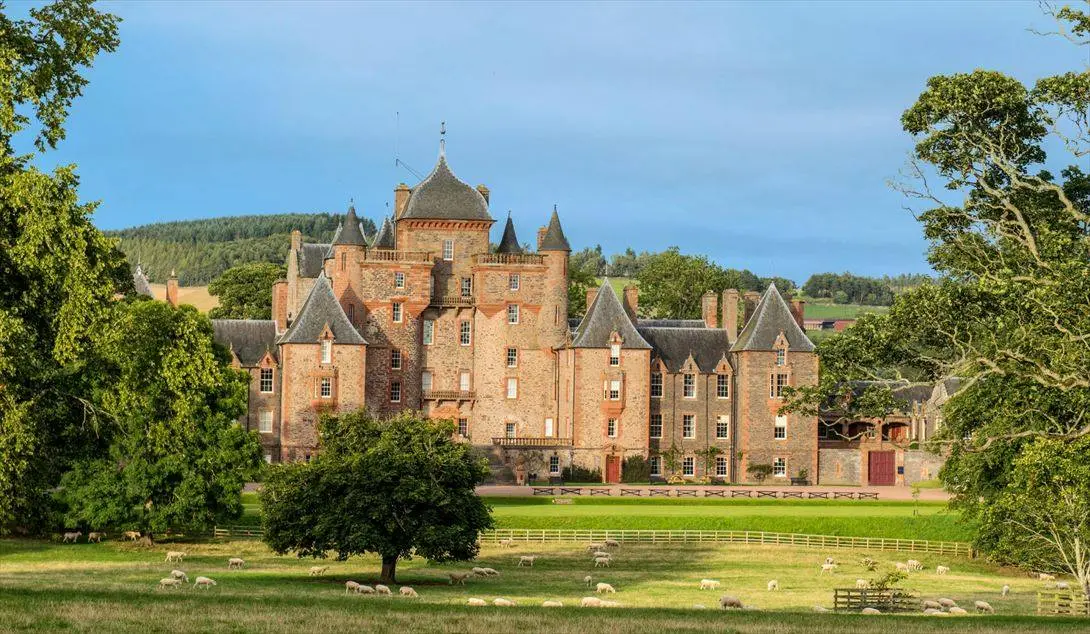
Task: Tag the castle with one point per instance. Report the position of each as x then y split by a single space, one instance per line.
426 315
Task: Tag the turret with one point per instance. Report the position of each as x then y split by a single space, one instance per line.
553 245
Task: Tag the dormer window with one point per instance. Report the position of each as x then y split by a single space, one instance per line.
327 351
781 356
615 354
688 386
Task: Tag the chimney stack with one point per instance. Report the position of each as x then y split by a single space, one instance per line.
172 289
730 313
751 299
484 192
591 294
296 239
541 236
401 199
280 305
798 309
708 309
632 301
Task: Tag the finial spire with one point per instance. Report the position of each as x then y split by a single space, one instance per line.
442 139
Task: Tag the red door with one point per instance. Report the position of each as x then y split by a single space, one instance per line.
613 469
881 468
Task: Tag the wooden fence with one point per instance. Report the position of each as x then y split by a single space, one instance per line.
853 600
1062 603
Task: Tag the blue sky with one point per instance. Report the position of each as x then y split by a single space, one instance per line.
762 135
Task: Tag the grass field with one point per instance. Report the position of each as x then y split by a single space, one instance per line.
823 310
196 296
110 587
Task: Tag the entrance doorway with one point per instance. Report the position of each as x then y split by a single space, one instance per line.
881 468
613 469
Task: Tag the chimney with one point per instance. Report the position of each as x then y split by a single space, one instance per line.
401 198
484 192
707 309
280 305
541 236
798 309
172 289
632 301
591 294
296 239
751 299
730 313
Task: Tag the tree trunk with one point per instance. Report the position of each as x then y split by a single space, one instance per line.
389 569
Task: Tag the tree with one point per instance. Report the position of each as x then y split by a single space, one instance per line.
245 291
580 278
759 471
170 454
671 283
393 487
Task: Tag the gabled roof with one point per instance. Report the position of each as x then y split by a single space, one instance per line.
349 233
604 317
249 339
554 239
674 345
442 196
772 317
320 310
509 243
311 256
140 282
385 238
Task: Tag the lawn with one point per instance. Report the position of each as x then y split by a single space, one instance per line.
48 587
824 309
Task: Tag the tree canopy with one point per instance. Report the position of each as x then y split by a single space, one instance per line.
245 291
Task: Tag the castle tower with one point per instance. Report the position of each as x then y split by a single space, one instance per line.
553 245
342 265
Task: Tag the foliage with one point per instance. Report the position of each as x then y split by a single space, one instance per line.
888 580
245 291
671 458
394 487
636 469
575 473
672 283
170 452
845 288
708 456
759 471
580 278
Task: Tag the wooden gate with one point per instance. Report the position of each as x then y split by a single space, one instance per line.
881 468
613 469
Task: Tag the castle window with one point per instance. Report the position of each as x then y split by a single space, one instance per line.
448 250
781 356
548 428
613 390
513 281
688 466
351 313
327 351
688 425
397 312
512 313
779 467
464 381
655 430
325 388
512 387
467 287
720 467
554 465
615 354
656 465
780 431
611 428
425 381
344 261
395 359
395 391
512 357
463 427
399 279
722 427
722 386
689 386
429 332
777 381
264 424
266 380
464 333
656 385
510 430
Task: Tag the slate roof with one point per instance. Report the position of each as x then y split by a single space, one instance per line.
311 257
603 317
674 345
554 239
441 195
385 238
509 243
140 281
248 338
671 323
322 309
772 316
349 233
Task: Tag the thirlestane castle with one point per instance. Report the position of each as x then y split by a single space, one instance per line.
426 315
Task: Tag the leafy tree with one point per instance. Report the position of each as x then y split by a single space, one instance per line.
393 487
845 288
580 278
170 451
671 283
245 291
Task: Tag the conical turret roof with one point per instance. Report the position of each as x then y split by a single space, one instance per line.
349 233
554 239
386 237
509 243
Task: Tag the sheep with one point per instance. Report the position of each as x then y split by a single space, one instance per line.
175 555
458 577
235 562
868 563
947 603
956 610
773 585
983 606
503 603
590 602
473 601
203 582
699 606
507 543
1044 576
901 566
818 608
612 543
1005 591
726 602
95 537
932 611
351 586
604 587
609 604
941 570
1063 585
316 571
72 537
830 560
869 611
862 584
169 582
601 553
527 559
709 584
365 589
491 572
407 591
828 568
601 561
131 535
178 574
928 604
587 579
914 564
552 604
595 546
479 572
381 589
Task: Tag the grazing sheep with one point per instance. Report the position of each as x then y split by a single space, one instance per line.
956 610
507 543
203 582
609 604
316 571
366 589
601 561
480 603
71 537
941 570
503 603
928 604
901 566
458 577
95 537
131 535
932 611
612 543
235 562
527 559
381 589
601 553
862 583
773 585
491 572
830 560
351 586
726 602
699 606
175 555
1044 576
818 608
551 604
869 611
587 579
983 606
947 603
868 563
178 574
1005 591
1063 585
407 591
604 587
828 568
914 564
594 546
590 602
709 584
169 582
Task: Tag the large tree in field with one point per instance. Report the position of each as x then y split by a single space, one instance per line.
1010 314
394 487
245 291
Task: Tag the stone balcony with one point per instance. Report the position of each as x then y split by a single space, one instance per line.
505 259
451 301
408 257
450 395
532 441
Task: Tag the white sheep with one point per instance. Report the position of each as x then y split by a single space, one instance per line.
587 579
862 583
1063 585
928 604
699 606
595 546
95 537
175 555
956 610
932 611
604 587
726 602
601 561
1005 591
169 582
491 572
1044 576
479 572
901 566
131 535
773 585
818 608
609 604
941 570
914 564
830 560
601 553
590 602
366 589
709 584
503 603
351 586
458 577
828 568
381 589
947 603
527 559
983 606
612 543
407 591
480 603
71 537
869 611
552 604
507 543
178 574
235 562
203 582
316 571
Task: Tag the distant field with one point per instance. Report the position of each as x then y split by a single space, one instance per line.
196 296
815 310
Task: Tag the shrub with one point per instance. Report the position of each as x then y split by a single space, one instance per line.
636 469
759 471
575 473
